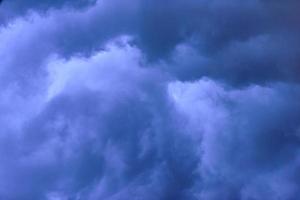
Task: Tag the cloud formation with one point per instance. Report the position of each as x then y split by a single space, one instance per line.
149 100
250 146
241 42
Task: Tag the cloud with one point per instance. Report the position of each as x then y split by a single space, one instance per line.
104 128
149 99
258 60
244 42
249 145
16 8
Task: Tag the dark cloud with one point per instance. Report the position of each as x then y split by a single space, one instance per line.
149 100
15 8
238 42
249 41
258 60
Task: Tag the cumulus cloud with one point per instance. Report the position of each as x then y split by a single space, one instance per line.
104 128
149 99
249 145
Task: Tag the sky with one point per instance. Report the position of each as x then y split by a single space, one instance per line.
149 100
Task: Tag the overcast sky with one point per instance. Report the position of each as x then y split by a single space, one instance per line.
149 100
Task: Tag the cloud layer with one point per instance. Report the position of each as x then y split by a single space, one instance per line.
149 100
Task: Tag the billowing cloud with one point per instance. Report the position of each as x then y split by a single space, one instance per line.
149 99
103 129
249 145
243 42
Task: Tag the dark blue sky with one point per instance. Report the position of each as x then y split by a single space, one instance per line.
149 100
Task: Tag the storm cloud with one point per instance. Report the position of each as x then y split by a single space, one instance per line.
140 99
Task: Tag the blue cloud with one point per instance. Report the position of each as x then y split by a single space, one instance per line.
149 100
